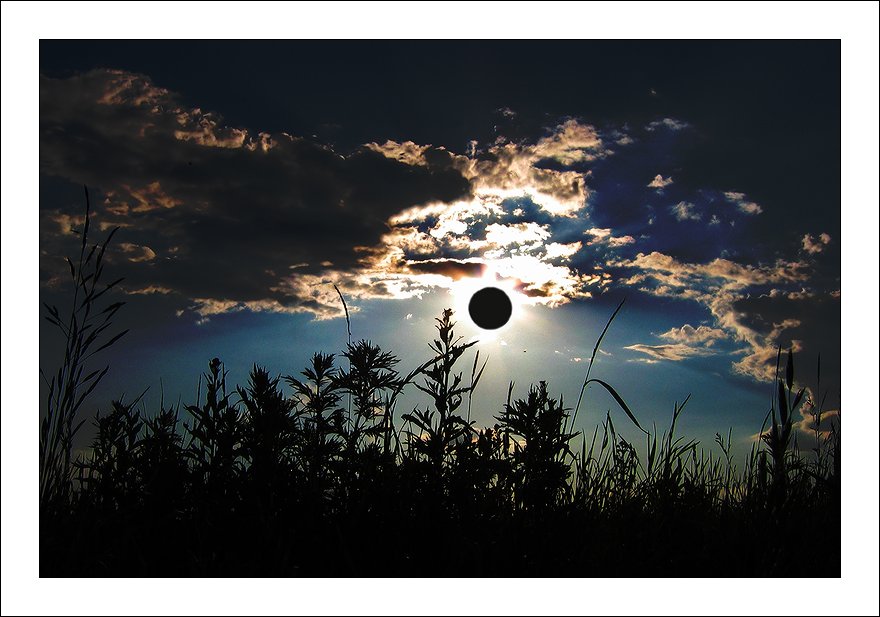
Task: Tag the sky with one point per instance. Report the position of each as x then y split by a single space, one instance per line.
699 181
760 122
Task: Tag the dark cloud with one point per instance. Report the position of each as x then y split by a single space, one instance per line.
448 267
211 211
812 329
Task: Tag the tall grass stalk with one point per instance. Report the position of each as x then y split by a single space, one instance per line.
84 327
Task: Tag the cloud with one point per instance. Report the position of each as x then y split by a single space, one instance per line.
407 152
686 342
720 285
284 218
813 245
719 272
450 268
518 223
802 294
135 253
828 422
428 246
507 169
670 124
743 204
759 361
151 289
527 233
603 236
674 352
687 334
571 142
659 182
557 250
226 219
197 197
685 211
805 428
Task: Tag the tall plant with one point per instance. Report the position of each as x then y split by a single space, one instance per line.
374 384
778 437
437 438
85 327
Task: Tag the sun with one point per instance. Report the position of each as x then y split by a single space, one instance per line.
482 302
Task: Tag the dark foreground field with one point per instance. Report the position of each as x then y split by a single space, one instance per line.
329 482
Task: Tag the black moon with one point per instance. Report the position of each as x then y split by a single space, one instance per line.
490 308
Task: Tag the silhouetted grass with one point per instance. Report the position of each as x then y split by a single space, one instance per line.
84 325
259 480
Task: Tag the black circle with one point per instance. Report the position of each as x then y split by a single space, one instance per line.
490 308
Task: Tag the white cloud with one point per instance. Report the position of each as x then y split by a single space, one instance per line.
621 241
556 250
570 143
674 352
512 169
659 182
703 335
603 236
815 245
829 420
527 233
686 342
685 211
744 205
718 285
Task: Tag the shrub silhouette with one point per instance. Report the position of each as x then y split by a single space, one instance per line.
215 435
319 435
268 431
541 462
